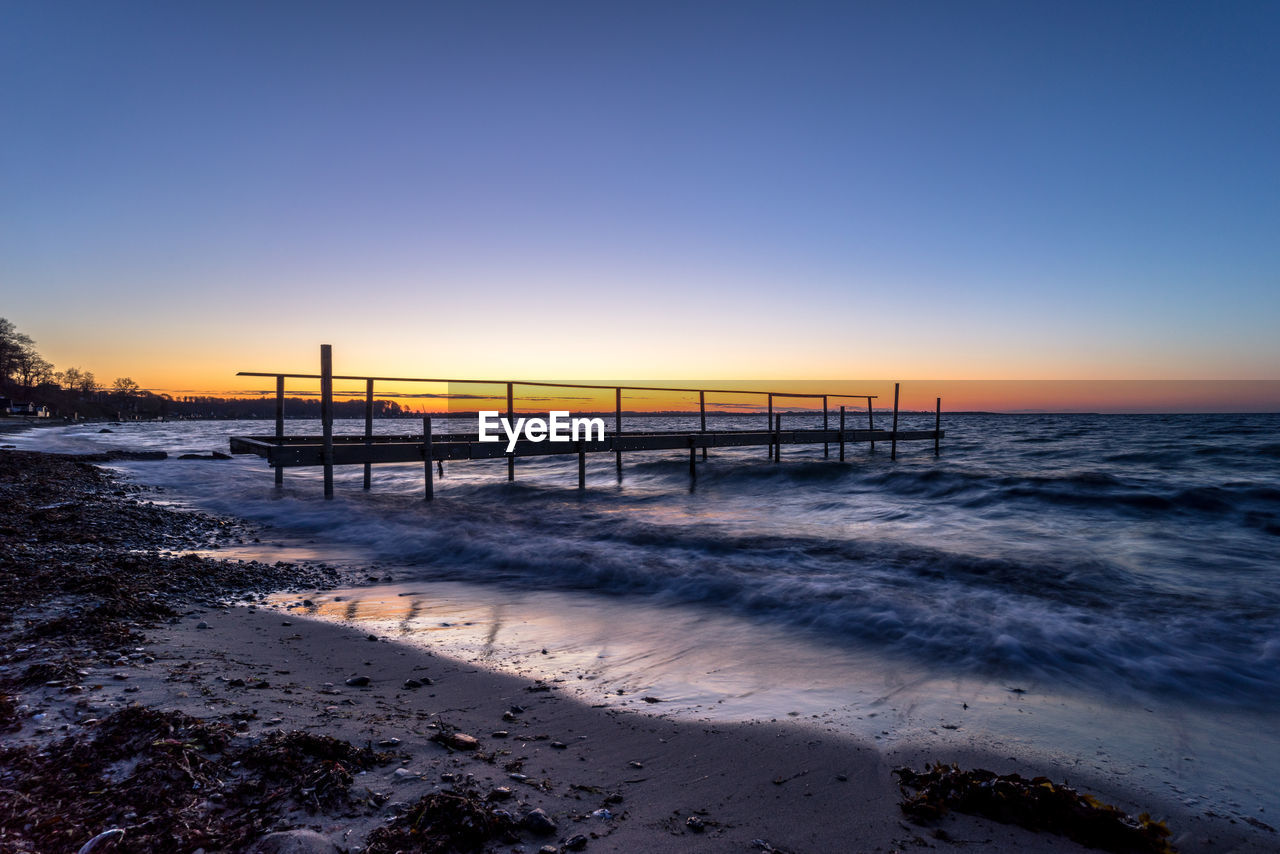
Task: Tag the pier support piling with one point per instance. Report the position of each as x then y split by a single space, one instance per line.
617 427
826 446
893 435
871 423
582 466
280 424
937 429
769 425
702 408
368 429
511 417
326 415
841 434
427 454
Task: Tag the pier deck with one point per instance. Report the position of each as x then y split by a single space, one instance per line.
329 450
291 451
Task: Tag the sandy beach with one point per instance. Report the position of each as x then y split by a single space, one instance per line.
172 631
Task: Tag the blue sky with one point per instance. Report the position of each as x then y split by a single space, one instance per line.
953 190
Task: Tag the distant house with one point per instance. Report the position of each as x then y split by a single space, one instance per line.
29 410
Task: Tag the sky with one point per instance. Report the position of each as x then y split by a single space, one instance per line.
907 190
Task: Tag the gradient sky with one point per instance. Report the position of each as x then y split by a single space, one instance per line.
904 190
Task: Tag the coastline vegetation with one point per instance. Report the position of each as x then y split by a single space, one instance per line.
75 393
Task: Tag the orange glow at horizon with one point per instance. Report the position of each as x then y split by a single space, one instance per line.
169 362
957 395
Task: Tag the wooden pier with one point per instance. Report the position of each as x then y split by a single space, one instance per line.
432 450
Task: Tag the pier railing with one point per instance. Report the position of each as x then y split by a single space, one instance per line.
328 450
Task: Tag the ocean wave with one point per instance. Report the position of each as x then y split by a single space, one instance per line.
1067 621
1104 552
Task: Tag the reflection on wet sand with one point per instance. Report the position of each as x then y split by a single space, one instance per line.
707 665
410 615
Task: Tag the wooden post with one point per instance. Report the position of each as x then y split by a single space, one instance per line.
326 414
368 429
511 418
702 406
777 438
582 466
280 424
693 461
427 454
871 424
769 425
826 446
841 434
937 429
893 437
617 427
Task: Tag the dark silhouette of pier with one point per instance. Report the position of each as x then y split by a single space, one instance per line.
430 449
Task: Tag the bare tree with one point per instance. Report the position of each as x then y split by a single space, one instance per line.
42 372
70 379
12 344
125 387
30 369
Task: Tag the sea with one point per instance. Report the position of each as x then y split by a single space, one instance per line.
1095 594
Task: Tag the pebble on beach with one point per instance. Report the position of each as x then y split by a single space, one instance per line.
299 841
537 821
457 740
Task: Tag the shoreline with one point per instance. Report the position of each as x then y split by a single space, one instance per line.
700 786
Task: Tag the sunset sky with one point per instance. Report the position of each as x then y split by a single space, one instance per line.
906 190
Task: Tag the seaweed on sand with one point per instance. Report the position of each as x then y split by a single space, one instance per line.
443 822
58 797
171 781
1037 804
9 721
313 770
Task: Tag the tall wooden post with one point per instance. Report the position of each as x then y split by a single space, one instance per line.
693 461
617 427
702 407
893 437
368 429
582 465
841 434
280 424
937 429
871 424
777 438
511 418
427 453
326 414
826 446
